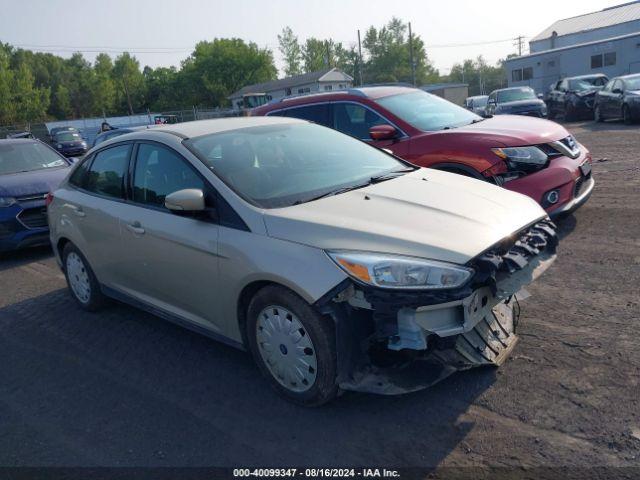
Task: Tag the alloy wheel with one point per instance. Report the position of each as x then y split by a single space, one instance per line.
286 348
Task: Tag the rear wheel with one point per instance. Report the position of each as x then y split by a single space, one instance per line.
293 345
82 282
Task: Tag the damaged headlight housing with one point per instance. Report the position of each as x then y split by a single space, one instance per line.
522 158
395 271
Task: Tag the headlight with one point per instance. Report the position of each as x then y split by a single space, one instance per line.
59 145
7 202
522 157
394 271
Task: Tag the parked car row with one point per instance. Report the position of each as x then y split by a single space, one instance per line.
216 225
338 265
585 96
532 156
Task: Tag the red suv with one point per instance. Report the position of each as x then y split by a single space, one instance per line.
532 156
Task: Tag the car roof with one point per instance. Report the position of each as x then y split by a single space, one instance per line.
477 96
512 88
218 125
625 77
579 77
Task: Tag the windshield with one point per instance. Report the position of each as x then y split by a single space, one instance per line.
516 94
632 83
68 137
586 83
480 101
281 165
27 157
427 112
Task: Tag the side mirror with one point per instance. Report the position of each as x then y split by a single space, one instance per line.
383 132
188 200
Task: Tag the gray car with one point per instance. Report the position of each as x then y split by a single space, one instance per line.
338 265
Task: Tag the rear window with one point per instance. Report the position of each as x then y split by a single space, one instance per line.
106 174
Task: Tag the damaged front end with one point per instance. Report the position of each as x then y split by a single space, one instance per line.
392 342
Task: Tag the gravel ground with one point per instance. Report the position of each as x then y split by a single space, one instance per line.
123 388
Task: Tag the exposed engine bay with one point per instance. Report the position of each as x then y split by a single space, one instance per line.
392 342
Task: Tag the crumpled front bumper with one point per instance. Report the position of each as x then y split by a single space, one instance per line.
393 342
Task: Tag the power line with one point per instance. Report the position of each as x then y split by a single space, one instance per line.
472 44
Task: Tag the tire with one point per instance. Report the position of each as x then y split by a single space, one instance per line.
626 115
551 114
81 280
597 114
306 373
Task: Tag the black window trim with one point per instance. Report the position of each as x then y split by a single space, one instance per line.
238 224
334 102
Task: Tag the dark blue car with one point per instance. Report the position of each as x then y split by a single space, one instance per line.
29 170
69 143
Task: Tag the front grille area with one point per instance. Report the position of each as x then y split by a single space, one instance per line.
34 217
580 185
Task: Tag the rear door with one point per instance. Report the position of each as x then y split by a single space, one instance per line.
616 99
171 259
93 207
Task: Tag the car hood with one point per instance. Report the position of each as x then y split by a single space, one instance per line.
508 131
30 183
427 213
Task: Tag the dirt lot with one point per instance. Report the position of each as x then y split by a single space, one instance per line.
123 388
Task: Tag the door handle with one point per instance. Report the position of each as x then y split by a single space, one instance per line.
135 228
78 211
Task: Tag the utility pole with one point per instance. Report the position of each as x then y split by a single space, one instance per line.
359 58
326 43
519 43
413 65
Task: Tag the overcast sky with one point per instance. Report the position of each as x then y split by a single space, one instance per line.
163 32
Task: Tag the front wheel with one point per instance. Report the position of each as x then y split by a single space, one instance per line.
597 114
569 113
293 345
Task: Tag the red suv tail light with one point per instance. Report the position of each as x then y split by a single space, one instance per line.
48 199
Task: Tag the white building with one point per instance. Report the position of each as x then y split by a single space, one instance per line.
607 41
322 81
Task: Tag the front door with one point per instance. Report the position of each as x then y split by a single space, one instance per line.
356 120
172 259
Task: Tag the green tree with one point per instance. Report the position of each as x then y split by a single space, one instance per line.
103 88
31 102
389 58
481 77
316 54
127 74
7 107
162 91
79 81
216 69
291 52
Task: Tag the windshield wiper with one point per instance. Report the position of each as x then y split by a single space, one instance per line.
390 175
331 193
374 179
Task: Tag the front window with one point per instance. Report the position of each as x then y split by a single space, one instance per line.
427 112
27 157
68 137
276 166
516 94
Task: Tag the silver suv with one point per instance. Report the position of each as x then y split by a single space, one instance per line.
337 264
